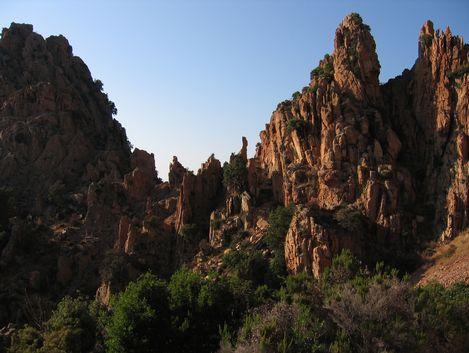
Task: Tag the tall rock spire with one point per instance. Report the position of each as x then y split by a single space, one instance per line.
356 65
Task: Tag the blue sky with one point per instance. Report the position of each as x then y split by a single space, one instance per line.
190 77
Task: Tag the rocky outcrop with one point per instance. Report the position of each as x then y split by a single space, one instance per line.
199 195
347 140
176 173
428 106
314 237
331 144
56 123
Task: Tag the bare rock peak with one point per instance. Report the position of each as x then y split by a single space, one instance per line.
427 28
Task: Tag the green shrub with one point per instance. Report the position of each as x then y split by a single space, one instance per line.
235 173
379 319
298 288
26 340
190 231
443 317
279 222
350 218
324 72
99 85
296 95
114 267
357 18
72 328
298 125
140 321
153 221
201 306
216 223
246 264
459 73
345 267
286 328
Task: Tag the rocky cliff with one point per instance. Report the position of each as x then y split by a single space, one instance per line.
378 169
58 133
396 153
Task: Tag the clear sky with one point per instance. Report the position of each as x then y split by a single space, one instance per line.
190 77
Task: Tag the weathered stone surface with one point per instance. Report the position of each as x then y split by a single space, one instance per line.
56 123
429 108
142 179
313 239
176 173
328 160
199 195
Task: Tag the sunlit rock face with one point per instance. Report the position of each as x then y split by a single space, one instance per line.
396 152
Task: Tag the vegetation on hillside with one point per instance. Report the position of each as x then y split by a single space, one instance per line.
349 309
235 173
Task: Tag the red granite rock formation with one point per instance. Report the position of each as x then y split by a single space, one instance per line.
428 106
347 140
56 123
199 195
364 163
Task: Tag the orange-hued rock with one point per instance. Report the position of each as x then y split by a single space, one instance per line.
343 139
313 238
429 107
176 173
142 179
199 194
398 151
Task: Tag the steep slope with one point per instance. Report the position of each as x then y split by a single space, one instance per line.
428 106
446 264
58 133
396 153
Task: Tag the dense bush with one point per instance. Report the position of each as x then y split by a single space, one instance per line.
140 321
297 124
279 222
184 315
72 328
350 218
459 73
247 264
190 231
285 328
296 95
349 310
324 72
443 317
235 173
114 267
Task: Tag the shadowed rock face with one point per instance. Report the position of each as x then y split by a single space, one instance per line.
428 106
56 124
